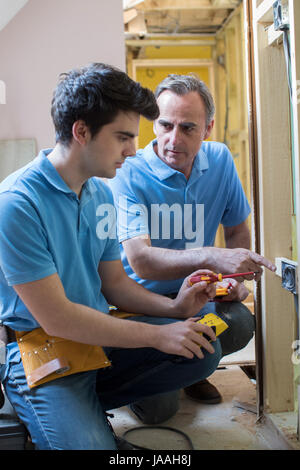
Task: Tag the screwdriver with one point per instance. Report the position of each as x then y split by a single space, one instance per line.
217 277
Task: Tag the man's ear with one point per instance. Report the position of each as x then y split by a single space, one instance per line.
209 129
154 127
80 131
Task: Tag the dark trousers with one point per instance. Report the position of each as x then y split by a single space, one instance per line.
241 327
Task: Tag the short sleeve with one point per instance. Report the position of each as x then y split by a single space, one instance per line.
24 256
237 208
132 215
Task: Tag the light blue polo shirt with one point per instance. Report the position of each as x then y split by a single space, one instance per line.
46 229
154 199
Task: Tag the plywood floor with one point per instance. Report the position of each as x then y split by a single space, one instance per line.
224 426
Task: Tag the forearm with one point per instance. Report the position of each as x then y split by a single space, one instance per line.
238 236
132 297
163 264
59 316
86 325
156 263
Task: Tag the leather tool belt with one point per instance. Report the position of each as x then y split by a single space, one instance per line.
47 358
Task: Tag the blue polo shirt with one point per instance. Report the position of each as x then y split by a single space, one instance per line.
154 199
45 229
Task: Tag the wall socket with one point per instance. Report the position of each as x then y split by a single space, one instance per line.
288 271
281 15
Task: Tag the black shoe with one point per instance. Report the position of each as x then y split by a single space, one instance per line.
122 444
204 392
158 408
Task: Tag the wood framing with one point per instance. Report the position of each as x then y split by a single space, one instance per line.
177 63
295 72
175 16
231 99
183 4
275 211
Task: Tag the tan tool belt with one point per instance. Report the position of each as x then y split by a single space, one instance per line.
47 358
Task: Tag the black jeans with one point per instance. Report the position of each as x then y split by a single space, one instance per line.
241 327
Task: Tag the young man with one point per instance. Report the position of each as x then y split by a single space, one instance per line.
61 269
171 198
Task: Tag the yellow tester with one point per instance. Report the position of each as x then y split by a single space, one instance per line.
216 323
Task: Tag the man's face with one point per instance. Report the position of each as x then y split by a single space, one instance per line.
108 149
180 129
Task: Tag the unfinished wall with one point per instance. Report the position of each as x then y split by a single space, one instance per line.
153 63
219 60
44 39
276 205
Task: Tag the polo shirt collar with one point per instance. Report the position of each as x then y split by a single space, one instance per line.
54 178
164 171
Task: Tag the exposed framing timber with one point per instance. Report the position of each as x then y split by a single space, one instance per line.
170 35
295 54
184 5
176 63
209 63
264 12
169 42
274 206
294 13
255 235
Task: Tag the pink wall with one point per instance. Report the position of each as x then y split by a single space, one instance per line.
45 38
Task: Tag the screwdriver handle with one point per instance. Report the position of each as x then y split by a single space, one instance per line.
216 277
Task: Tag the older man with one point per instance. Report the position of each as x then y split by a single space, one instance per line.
171 198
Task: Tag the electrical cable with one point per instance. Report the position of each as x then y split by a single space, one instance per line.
127 445
287 53
165 428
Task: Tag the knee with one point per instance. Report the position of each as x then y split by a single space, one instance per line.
241 326
158 408
212 360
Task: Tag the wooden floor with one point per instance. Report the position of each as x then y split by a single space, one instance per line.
218 427
225 426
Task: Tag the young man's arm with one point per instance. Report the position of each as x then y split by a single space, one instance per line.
128 295
58 316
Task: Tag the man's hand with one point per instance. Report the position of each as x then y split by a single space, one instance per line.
236 293
183 338
190 299
239 260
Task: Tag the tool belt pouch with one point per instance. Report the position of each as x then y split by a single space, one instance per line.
47 358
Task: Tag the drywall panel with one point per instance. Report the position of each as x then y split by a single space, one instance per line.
47 38
14 154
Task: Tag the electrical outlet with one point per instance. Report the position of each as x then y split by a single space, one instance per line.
289 277
287 269
281 15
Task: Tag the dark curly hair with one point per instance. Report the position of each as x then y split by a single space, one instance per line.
95 94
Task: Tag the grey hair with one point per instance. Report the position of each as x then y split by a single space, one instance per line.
183 84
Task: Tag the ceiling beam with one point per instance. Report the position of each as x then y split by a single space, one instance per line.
127 4
166 42
157 5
